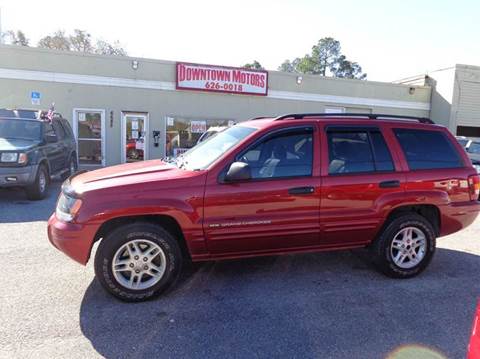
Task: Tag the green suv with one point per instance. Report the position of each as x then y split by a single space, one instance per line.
33 149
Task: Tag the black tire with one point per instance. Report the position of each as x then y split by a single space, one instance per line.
137 231
382 247
36 191
72 164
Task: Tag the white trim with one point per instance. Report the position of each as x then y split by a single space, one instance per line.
123 131
59 77
103 132
346 100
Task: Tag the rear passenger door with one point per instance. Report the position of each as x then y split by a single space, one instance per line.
53 148
61 137
359 177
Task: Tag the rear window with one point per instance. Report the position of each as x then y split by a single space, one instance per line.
425 149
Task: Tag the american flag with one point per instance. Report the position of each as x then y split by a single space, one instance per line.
51 112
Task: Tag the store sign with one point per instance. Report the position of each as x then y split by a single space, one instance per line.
199 126
221 79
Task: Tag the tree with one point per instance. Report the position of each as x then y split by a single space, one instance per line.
81 41
15 38
255 65
57 41
325 59
105 48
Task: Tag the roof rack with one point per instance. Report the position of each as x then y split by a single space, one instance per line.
370 116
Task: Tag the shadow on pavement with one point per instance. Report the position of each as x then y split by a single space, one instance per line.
15 207
323 305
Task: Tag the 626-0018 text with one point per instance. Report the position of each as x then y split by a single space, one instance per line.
224 87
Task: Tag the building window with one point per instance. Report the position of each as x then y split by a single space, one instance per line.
468 131
184 133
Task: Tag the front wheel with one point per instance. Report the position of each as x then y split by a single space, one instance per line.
39 188
138 261
405 247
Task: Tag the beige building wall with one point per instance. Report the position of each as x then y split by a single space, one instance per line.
465 114
111 84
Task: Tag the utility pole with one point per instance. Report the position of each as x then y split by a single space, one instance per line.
1 33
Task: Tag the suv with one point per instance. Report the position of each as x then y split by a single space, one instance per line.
294 183
472 146
33 149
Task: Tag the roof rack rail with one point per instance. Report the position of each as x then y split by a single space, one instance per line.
370 116
260 118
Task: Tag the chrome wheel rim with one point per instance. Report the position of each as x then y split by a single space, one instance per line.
408 247
42 181
139 264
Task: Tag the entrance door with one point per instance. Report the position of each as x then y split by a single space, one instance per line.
134 137
89 129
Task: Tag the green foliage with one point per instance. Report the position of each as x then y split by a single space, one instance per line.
80 41
15 38
254 65
325 59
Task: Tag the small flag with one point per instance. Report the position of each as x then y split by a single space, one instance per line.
51 112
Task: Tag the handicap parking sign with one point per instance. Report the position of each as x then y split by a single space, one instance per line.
35 97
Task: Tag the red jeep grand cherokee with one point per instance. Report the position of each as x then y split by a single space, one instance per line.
295 183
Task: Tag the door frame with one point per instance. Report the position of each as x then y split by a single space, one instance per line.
123 142
75 111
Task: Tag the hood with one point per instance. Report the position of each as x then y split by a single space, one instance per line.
10 144
127 174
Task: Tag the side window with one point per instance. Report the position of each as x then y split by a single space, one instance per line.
289 154
67 129
59 130
383 159
48 130
357 151
426 149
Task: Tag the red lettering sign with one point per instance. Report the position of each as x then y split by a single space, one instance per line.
221 79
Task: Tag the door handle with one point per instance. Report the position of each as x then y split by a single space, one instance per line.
389 184
301 190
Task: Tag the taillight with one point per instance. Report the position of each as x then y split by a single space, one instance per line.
474 187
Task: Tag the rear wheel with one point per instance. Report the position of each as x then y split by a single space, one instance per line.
405 247
138 261
72 167
38 189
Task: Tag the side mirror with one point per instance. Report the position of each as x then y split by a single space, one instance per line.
51 138
238 171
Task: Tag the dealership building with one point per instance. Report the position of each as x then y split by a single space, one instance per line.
124 109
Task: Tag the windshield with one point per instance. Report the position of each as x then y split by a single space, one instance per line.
463 142
20 129
474 147
207 152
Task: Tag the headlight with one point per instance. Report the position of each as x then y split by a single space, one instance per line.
9 157
67 207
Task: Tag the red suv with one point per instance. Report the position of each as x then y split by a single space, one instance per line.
294 183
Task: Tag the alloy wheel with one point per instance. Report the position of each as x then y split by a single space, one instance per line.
408 247
139 264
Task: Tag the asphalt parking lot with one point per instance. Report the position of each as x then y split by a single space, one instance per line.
326 305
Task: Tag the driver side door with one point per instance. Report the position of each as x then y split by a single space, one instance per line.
278 207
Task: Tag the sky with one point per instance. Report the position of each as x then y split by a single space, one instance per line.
390 39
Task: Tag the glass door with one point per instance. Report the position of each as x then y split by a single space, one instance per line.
134 137
89 130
